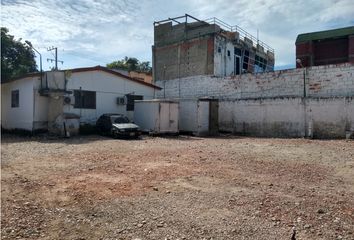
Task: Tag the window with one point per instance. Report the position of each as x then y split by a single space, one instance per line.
237 51
119 119
245 60
261 62
85 99
130 101
15 99
228 53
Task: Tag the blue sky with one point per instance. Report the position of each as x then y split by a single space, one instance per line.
96 32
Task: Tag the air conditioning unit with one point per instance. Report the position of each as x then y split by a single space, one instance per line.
69 100
121 101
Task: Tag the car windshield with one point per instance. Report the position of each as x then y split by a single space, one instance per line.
119 119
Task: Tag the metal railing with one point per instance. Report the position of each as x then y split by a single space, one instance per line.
242 32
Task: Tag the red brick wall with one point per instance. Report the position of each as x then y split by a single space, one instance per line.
304 52
330 51
351 49
327 51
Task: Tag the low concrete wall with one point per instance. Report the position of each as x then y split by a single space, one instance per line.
288 117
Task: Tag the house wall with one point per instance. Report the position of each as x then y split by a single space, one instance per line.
107 87
273 104
40 120
22 116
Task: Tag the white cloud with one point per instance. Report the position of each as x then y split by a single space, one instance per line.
100 31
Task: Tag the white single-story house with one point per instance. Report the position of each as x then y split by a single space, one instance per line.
36 101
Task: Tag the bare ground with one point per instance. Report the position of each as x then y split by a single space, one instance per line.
176 188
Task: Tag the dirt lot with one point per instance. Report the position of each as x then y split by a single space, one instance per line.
176 188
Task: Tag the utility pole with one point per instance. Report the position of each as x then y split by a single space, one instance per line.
56 57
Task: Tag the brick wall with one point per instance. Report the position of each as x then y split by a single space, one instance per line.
351 48
321 81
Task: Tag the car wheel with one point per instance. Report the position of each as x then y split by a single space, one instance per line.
115 134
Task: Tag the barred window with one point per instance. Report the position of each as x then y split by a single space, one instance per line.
85 99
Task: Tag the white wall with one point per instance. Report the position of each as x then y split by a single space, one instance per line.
321 81
224 65
230 61
272 104
22 116
220 58
40 120
107 87
288 117
269 117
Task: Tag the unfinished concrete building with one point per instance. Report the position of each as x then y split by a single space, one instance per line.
185 46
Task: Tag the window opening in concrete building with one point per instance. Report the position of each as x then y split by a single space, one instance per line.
237 69
85 99
237 52
245 60
237 60
261 63
15 98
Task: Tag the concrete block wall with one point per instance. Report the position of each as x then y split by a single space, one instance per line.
184 59
273 104
320 81
282 117
288 117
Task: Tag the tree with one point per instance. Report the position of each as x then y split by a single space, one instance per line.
17 58
130 64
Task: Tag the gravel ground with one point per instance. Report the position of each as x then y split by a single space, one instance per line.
176 188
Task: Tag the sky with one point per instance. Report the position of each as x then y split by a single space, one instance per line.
96 32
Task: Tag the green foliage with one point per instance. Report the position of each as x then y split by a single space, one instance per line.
17 58
130 64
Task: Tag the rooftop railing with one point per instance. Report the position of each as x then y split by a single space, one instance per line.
223 25
242 32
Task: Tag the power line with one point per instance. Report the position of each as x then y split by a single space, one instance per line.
84 57
56 57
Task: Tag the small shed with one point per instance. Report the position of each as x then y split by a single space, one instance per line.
157 116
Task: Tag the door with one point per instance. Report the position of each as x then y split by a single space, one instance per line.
214 117
237 70
168 117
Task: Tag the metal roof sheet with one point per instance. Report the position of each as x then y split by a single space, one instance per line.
334 33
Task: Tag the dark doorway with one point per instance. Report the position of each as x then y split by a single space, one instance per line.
237 65
213 117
